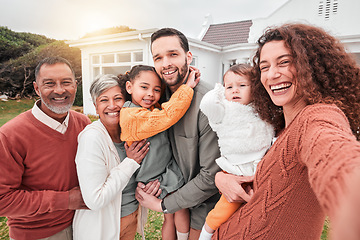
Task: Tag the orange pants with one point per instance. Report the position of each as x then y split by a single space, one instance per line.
221 212
128 226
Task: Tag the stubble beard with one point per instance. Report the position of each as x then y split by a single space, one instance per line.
180 76
57 109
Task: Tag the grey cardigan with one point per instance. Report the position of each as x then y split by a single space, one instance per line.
195 148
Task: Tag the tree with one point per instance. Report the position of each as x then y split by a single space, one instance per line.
16 76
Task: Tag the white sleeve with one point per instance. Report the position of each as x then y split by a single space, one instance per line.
98 188
212 104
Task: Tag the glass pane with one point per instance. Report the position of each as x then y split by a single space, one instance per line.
124 57
109 58
193 62
96 59
96 71
138 56
116 70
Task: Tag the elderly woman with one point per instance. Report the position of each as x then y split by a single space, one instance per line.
308 88
105 168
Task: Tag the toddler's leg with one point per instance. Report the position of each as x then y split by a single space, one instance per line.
206 232
168 228
182 224
221 212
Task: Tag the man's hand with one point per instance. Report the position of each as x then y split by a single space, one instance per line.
147 195
75 199
234 188
194 77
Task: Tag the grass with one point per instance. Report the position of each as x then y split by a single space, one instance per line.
12 108
153 226
4 231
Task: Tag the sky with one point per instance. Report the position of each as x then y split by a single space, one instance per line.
71 19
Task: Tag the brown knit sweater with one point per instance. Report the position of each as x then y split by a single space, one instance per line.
300 179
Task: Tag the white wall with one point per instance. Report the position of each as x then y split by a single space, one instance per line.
86 53
209 64
345 22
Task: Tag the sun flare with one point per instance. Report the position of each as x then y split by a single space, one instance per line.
91 23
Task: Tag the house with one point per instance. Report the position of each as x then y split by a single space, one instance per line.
218 45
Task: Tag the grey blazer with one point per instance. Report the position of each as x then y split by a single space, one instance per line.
195 148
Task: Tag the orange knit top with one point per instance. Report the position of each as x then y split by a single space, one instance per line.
140 123
301 179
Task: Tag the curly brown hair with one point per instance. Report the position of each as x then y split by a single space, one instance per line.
325 72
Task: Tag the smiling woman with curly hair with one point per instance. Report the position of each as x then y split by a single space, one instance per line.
307 87
325 73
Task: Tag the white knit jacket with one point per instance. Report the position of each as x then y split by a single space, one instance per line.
102 177
243 136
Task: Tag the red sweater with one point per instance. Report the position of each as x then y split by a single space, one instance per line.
300 180
37 168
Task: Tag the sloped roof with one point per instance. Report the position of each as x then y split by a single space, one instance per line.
226 34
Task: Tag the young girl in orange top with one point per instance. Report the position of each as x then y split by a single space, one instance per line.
141 118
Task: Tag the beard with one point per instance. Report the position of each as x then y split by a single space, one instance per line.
181 74
59 109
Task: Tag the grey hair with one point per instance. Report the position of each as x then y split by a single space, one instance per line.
52 61
101 84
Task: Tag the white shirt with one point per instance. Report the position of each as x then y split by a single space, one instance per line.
48 121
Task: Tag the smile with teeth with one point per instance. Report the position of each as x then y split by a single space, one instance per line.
113 114
59 98
169 72
147 101
280 87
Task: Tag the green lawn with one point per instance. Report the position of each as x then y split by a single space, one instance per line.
12 108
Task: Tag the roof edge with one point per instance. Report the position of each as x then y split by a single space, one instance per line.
112 37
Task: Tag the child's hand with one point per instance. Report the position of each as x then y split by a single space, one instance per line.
137 151
194 77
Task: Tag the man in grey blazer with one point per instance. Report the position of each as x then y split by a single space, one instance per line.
193 142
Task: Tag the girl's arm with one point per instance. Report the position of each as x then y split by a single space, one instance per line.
140 123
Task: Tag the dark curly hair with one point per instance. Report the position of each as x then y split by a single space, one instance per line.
325 72
132 75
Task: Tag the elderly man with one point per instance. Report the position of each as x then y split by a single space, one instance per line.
38 182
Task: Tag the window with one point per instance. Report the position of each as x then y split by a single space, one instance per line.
233 62
115 63
124 57
194 61
109 58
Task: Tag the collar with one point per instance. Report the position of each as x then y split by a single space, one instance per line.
48 121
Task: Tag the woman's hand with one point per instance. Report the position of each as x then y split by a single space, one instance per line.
138 150
147 195
194 77
234 188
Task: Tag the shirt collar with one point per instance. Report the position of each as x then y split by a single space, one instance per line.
48 121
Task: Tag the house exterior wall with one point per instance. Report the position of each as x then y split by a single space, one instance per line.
338 17
88 75
241 53
209 64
